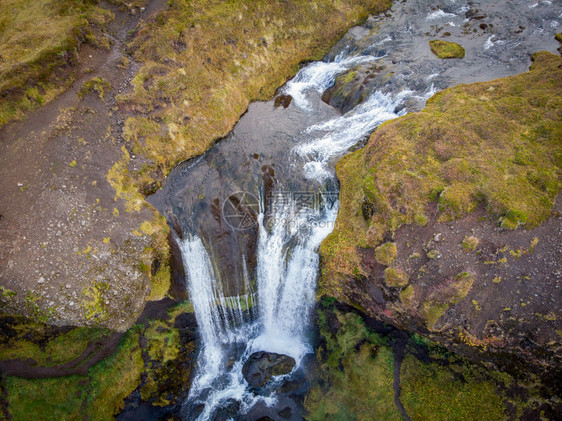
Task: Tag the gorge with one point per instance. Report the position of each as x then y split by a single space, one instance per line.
354 294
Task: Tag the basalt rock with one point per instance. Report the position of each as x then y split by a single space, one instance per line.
261 366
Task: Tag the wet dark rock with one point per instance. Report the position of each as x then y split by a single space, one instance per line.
261 366
285 413
229 411
283 100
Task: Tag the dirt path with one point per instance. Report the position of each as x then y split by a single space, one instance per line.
67 246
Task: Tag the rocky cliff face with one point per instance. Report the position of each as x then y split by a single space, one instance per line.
449 223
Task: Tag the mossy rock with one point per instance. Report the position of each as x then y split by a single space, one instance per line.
386 253
446 49
395 277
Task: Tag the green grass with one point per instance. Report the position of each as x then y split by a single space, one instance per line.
45 399
114 378
442 154
38 40
446 49
98 395
59 350
435 392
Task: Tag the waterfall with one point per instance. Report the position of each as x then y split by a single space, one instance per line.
289 233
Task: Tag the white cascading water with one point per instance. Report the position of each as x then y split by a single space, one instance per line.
287 254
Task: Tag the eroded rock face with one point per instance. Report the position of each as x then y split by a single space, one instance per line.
261 366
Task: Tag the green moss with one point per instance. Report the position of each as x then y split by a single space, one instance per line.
386 253
470 243
433 254
29 342
407 296
163 341
115 378
395 277
118 177
442 154
433 391
446 49
94 301
97 85
45 399
156 258
558 37
357 376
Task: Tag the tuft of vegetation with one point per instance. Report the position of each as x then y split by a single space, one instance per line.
446 49
386 253
38 43
407 296
395 277
442 154
95 85
470 243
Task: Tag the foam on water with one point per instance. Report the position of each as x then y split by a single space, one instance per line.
319 76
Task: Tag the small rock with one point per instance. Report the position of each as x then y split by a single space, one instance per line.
41 280
68 286
437 237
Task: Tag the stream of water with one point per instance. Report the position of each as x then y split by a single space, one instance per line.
252 284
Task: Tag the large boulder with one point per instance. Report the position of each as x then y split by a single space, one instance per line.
261 366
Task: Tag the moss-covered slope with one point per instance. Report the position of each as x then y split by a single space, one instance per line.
364 365
482 158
